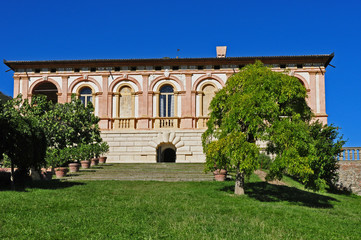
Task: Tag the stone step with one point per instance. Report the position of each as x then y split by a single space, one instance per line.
171 172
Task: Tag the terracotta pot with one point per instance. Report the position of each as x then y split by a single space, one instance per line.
85 164
60 172
94 162
74 167
220 175
102 159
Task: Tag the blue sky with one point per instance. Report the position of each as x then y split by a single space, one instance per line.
48 30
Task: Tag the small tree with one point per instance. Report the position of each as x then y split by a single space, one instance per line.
41 133
258 104
22 137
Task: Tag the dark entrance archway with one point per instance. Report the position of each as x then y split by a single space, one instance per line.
48 89
166 153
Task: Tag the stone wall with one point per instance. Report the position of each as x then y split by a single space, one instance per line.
350 176
131 146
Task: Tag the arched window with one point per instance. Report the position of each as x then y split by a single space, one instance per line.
166 101
86 95
125 102
208 94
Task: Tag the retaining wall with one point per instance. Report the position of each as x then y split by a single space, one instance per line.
350 176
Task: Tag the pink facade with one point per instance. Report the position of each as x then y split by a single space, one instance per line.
157 96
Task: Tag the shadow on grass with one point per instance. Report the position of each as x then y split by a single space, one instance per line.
265 192
50 185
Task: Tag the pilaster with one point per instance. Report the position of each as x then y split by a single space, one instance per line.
24 86
16 86
313 93
64 86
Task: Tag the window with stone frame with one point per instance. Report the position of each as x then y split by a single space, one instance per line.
166 101
86 95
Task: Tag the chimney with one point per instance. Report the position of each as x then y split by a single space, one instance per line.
221 51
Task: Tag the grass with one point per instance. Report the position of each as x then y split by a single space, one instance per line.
175 210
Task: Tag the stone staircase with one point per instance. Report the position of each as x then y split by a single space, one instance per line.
169 172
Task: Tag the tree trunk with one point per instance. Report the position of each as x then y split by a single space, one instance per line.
12 176
239 186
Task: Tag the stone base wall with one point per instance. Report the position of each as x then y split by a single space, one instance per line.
140 146
350 176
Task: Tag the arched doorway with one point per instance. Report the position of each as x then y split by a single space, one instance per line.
166 153
48 89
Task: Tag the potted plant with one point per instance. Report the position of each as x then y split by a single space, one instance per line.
85 153
57 159
74 154
96 153
104 148
220 175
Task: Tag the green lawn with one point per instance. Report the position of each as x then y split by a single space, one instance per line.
175 210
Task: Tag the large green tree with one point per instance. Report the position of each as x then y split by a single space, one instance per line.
258 104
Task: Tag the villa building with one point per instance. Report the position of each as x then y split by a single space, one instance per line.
155 110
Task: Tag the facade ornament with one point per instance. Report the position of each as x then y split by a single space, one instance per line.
209 74
125 76
292 73
85 76
166 73
45 78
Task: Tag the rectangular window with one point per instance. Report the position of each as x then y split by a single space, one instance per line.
82 99
170 106
162 109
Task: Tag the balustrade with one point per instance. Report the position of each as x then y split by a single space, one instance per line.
168 122
124 123
202 122
350 154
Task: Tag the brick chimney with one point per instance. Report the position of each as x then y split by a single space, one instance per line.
221 51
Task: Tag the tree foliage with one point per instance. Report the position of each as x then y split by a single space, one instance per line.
39 133
258 104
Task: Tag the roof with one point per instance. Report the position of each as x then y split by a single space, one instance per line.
323 59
